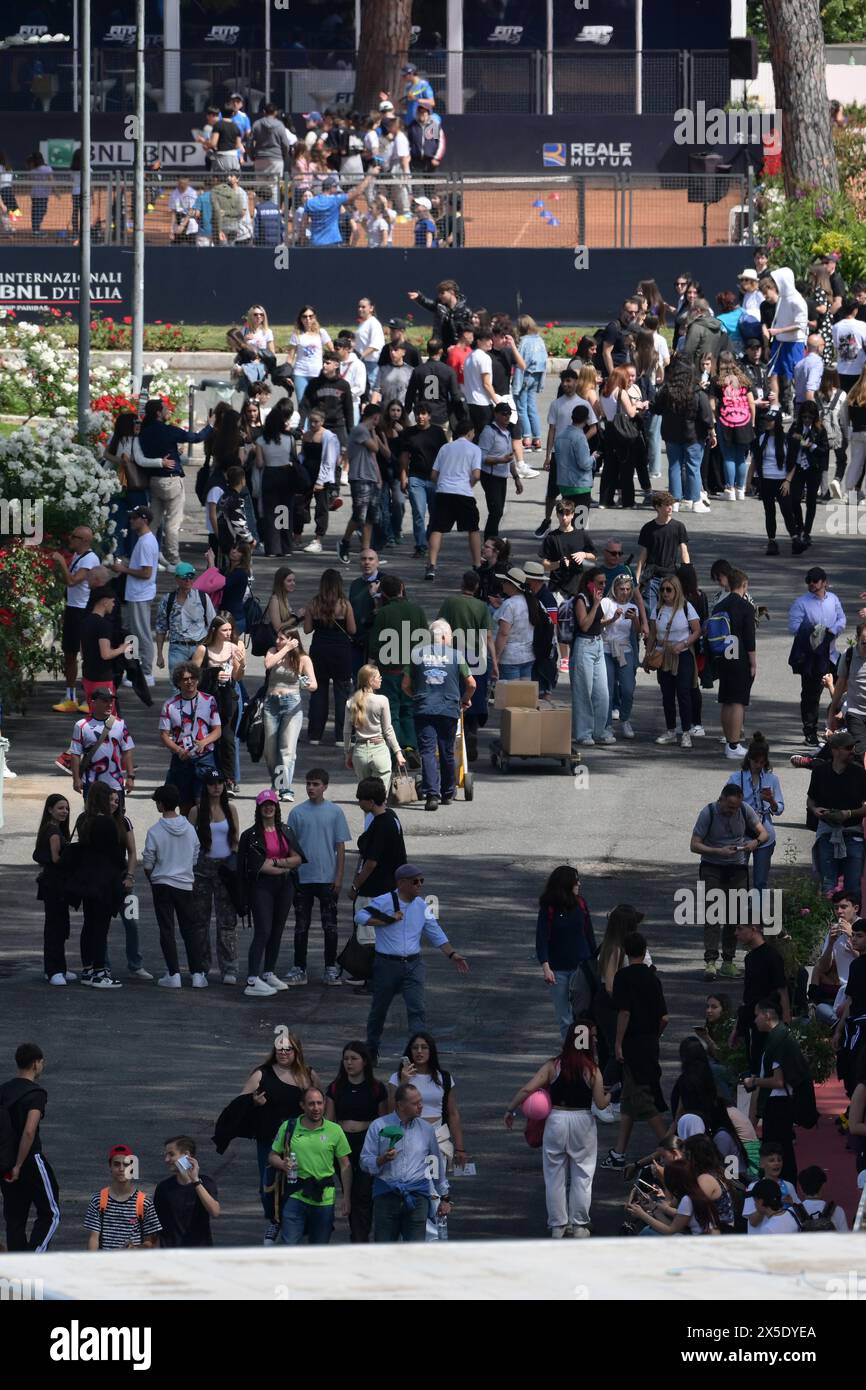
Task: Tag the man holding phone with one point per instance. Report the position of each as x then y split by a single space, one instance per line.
725 832
400 920
185 1201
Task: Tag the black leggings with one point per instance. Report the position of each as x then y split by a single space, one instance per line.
806 480
495 490
56 933
332 661
620 463
770 496
277 530
94 933
272 902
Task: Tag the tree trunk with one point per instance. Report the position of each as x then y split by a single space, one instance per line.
383 47
797 55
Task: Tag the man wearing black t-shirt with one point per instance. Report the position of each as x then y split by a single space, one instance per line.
380 846
565 551
837 793
187 1201
614 349
397 330
418 448
764 976
434 384
849 1036
504 357
642 1017
663 545
736 670
29 1179
99 650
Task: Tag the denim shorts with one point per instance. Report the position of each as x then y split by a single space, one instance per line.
365 502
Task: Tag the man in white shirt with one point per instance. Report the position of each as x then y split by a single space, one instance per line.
352 371
849 340
74 576
558 421
456 470
809 371
369 340
478 381
140 573
181 201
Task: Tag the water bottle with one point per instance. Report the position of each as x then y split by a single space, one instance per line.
441 1226
292 1174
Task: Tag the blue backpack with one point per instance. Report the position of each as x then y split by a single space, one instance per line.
718 637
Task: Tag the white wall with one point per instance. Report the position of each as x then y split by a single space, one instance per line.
844 83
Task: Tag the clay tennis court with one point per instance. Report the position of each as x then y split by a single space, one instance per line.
605 212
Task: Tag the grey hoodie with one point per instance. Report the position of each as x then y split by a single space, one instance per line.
171 849
791 308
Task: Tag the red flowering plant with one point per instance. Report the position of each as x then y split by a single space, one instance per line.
31 611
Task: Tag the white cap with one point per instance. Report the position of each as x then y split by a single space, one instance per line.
750 274
423 203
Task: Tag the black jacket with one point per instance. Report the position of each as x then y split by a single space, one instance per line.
447 321
252 855
435 385
237 1121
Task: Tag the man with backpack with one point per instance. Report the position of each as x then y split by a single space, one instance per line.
725 832
120 1216
26 1177
184 617
815 1212
729 634
786 1093
307 1150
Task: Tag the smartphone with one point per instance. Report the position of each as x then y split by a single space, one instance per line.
404 1062
183 1164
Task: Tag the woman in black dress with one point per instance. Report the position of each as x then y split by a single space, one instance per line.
353 1100
277 1087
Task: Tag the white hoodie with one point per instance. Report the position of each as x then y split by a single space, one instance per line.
791 309
171 849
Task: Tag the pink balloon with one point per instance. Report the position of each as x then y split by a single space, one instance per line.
554 197
537 1106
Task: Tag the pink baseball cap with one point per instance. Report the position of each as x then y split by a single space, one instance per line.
269 795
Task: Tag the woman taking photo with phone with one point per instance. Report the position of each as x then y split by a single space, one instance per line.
288 671
589 693
570 1144
353 1100
277 1087
222 660
420 1067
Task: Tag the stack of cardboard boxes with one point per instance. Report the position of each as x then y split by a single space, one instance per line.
530 731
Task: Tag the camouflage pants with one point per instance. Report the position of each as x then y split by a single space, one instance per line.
210 895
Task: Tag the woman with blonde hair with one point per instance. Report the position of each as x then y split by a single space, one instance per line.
306 347
288 671
255 333
368 715
331 621
674 632
529 380
277 1087
222 660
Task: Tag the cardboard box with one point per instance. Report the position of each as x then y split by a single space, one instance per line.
555 732
516 695
521 732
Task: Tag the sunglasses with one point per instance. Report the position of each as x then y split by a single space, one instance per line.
417 880
614 554
666 591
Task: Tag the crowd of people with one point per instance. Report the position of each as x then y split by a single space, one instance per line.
410 694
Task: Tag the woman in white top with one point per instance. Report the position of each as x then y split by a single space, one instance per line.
514 651
420 1067
288 671
620 624
763 792
222 659
683 1206
216 825
368 716
674 633
305 349
255 334
378 223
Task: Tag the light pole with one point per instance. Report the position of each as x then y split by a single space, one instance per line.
84 227
137 355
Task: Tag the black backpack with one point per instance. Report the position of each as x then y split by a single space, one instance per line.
813 1221
202 481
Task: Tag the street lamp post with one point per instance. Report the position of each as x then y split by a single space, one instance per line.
84 226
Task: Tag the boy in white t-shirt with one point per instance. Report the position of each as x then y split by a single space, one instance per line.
141 570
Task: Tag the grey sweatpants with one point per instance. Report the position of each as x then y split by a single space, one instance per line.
136 620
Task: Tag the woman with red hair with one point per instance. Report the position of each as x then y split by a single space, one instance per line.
572 1080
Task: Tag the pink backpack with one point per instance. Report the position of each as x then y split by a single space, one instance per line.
734 410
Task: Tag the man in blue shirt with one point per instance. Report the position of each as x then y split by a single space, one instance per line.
417 92
400 1170
322 212
573 459
817 607
239 116
400 919
440 684
269 228
321 830
160 440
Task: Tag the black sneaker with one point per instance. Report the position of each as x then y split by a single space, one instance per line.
343 552
430 572
811 740
432 803
797 546
419 553
542 530
772 548
446 800
613 1160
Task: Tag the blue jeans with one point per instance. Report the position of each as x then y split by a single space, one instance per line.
761 864
654 445
851 866
390 978
437 737
301 1219
561 991
133 946
391 508
301 384
516 671
283 717
684 470
527 410
736 466
421 494
589 701
371 367
621 681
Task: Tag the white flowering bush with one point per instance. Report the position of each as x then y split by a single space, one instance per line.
44 464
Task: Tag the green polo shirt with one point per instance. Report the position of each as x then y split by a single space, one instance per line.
316 1151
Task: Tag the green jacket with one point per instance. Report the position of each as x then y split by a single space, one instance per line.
399 625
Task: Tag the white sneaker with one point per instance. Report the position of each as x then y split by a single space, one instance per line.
314 548
295 976
627 731
587 743
57 980
701 506
141 974
199 980
557 1232
607 738
669 737
741 494
686 506
169 981
686 741
698 731
258 988
604 1117
739 752
331 976
126 683
8 773
580 1232
230 979
524 471
274 981
677 506
730 494
150 680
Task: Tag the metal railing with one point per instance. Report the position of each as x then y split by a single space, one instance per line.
513 81
611 209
